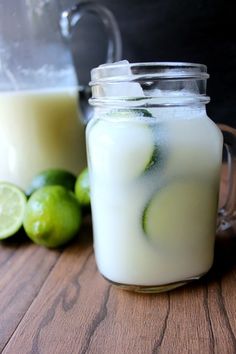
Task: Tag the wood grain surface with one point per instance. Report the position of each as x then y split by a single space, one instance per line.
55 301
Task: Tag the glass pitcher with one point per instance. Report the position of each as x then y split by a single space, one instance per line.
154 161
39 125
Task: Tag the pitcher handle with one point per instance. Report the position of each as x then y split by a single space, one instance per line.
71 17
227 212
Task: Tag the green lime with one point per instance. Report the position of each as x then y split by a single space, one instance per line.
82 188
52 177
52 217
12 209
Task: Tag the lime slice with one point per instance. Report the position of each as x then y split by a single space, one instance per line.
82 188
12 209
183 212
52 216
52 177
120 150
129 113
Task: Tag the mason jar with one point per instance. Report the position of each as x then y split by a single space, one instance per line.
154 161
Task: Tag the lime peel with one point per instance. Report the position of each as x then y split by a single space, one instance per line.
52 177
82 188
52 217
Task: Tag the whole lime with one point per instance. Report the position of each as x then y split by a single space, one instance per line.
52 217
52 177
82 188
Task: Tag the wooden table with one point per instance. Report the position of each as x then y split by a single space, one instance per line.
55 301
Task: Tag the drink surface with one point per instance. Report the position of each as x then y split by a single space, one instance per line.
39 130
154 192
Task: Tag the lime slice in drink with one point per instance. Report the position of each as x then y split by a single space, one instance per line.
12 209
154 159
182 212
129 113
52 216
52 177
120 150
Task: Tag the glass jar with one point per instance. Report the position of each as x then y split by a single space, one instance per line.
154 161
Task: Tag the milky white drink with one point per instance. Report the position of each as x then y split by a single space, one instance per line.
154 196
39 130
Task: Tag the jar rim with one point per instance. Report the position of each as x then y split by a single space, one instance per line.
165 70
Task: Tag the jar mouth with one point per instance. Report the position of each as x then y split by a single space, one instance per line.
148 70
151 83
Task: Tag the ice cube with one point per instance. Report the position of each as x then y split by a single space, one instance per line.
120 71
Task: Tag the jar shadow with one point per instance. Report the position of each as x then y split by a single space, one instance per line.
225 260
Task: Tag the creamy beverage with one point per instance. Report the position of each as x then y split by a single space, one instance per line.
154 196
38 130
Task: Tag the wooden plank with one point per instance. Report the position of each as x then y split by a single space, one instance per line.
228 286
5 254
187 327
61 315
76 311
134 323
198 320
222 297
23 269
